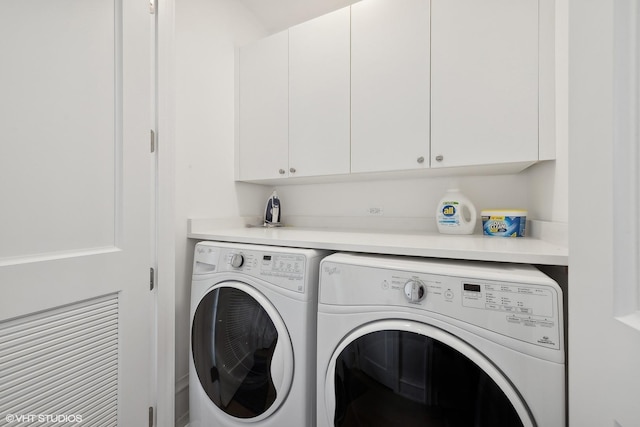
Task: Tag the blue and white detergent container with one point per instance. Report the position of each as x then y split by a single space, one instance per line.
456 214
504 222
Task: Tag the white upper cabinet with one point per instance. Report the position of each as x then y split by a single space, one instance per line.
389 85
263 135
319 96
484 82
400 85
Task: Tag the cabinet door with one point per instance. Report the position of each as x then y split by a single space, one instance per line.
263 135
319 95
389 85
484 82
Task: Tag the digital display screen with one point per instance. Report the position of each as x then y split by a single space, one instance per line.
471 288
266 257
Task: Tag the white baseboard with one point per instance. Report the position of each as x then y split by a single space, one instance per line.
182 401
183 421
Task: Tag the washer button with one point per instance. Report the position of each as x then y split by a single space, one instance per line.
237 260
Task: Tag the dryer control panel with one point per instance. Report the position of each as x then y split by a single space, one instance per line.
522 302
516 302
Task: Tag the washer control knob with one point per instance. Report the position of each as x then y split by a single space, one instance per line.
414 290
237 260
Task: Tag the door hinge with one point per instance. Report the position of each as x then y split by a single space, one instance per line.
150 416
152 6
153 141
152 279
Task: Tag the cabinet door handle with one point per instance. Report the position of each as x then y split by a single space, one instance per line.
281 171
420 159
439 158
292 170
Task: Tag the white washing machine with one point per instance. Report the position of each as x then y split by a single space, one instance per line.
414 342
253 322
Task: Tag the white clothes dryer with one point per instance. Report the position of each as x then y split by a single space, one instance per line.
415 342
253 322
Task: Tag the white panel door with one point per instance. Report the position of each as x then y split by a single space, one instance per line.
319 96
389 85
264 108
75 313
484 82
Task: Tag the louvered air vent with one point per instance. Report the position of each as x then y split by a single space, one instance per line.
58 365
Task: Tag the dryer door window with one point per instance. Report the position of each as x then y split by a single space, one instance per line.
407 378
241 351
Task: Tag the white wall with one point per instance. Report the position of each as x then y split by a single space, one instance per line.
549 181
402 198
207 33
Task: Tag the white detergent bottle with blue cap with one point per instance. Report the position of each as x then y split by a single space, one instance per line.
456 214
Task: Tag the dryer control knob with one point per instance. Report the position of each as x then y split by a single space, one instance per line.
237 260
414 290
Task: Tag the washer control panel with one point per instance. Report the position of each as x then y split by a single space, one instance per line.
281 269
517 302
290 269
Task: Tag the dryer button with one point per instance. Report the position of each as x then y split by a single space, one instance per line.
415 291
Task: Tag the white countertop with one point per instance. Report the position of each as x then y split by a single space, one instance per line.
529 250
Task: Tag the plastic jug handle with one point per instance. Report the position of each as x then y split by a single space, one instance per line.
472 213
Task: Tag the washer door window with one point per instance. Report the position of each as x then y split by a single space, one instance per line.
407 374
241 351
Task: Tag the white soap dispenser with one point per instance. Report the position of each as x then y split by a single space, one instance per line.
450 215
